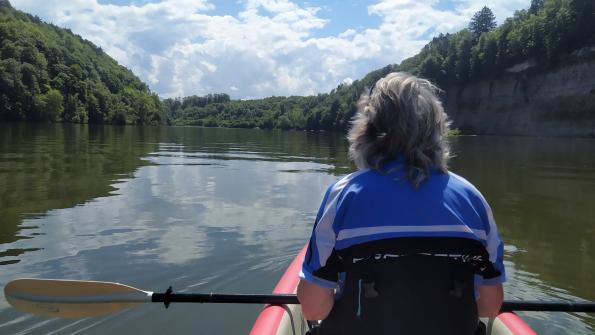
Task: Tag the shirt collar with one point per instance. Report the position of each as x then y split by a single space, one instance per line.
394 165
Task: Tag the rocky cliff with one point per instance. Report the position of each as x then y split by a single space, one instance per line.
530 100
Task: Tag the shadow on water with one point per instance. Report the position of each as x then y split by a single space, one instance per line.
45 167
249 144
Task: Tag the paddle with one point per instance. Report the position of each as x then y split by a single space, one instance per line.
78 299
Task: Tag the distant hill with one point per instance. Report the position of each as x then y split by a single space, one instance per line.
50 74
543 35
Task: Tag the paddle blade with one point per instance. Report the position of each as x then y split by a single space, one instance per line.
72 298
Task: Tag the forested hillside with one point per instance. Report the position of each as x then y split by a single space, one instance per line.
543 34
49 74
547 30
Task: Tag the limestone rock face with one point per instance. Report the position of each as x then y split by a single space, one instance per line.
529 100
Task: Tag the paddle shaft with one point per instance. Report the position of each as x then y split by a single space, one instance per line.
283 299
273 299
548 306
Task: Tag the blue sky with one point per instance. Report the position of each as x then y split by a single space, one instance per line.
259 48
341 15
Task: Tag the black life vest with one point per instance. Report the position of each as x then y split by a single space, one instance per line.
408 286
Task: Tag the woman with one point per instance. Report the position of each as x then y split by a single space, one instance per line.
402 245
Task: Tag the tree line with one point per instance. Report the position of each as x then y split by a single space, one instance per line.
49 74
544 33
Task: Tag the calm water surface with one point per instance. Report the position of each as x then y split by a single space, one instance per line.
226 210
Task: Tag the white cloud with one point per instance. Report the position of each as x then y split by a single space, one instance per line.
269 48
347 81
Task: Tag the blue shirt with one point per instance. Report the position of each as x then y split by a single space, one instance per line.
368 205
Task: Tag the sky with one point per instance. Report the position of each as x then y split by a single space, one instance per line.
259 48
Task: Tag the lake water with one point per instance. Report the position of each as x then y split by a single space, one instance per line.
226 210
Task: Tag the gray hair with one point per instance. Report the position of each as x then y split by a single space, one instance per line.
401 116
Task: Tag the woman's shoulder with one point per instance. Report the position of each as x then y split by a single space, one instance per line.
356 176
460 181
464 187
359 179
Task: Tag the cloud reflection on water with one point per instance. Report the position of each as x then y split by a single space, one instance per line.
225 210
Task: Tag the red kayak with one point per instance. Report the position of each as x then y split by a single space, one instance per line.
287 319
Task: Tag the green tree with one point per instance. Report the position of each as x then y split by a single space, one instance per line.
535 6
39 60
53 105
482 22
431 68
284 122
559 17
463 63
296 116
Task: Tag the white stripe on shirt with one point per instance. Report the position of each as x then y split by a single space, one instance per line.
325 235
367 231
